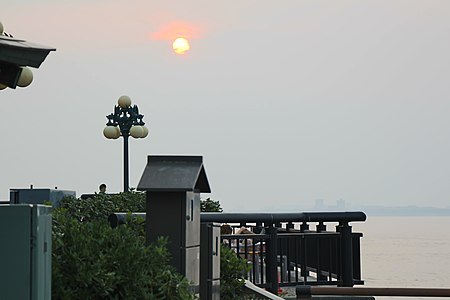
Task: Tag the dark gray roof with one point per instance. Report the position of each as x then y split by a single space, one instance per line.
22 53
174 173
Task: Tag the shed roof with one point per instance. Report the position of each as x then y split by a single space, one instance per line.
22 53
174 173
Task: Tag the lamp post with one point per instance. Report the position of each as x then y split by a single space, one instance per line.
125 121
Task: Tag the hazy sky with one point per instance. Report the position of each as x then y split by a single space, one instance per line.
288 101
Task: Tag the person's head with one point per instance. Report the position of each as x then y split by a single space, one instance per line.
102 188
243 230
226 229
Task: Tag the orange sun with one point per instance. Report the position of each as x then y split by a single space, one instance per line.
180 45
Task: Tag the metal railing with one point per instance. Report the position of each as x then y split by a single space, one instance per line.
285 250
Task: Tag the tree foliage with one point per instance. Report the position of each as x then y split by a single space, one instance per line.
232 267
93 261
232 271
209 205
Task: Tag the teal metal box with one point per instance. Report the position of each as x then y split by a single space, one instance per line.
38 196
25 252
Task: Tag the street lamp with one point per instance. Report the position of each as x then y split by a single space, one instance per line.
125 121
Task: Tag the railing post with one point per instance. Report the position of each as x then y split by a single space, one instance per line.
304 227
258 227
321 227
289 226
271 261
345 231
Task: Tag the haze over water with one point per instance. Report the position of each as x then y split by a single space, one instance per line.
405 252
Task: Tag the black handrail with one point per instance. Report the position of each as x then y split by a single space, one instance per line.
352 216
269 218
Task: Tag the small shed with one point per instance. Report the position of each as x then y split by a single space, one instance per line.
173 185
16 53
174 173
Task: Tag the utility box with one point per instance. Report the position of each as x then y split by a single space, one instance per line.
25 252
210 261
38 196
173 185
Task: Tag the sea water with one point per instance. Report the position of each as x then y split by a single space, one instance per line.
405 252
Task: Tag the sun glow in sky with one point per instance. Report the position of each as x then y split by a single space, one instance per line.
179 34
173 30
181 45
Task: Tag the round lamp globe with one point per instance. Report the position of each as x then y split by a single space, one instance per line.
137 132
111 132
124 101
25 78
145 132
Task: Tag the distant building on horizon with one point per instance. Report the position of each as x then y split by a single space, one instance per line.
340 204
319 205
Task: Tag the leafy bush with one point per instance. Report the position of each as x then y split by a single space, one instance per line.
232 271
232 267
93 261
102 205
209 205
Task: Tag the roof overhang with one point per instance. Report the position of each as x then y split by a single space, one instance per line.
22 53
174 174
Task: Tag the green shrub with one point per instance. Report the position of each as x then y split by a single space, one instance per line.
232 267
93 261
102 205
232 271
209 205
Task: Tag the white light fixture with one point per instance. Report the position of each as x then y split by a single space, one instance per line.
111 132
124 101
137 131
25 78
145 132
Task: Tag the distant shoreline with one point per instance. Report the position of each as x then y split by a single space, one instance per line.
405 211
